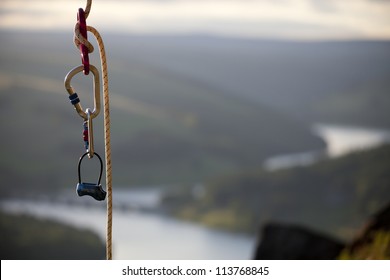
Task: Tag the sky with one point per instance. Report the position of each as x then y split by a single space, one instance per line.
291 19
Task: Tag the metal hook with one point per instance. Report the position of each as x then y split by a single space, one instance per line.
101 167
91 150
92 189
74 97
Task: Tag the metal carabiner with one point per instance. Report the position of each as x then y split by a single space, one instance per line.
91 150
74 99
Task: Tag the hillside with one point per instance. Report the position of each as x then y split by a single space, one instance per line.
166 127
331 81
354 105
27 238
333 196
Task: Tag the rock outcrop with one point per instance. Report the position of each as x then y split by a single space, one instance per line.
291 242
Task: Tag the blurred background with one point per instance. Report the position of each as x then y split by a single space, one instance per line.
226 115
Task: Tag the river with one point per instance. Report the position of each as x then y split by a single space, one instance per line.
142 234
147 235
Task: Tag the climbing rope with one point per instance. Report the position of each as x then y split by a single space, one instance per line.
107 139
82 43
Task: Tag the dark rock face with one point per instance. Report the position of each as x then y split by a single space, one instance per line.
287 242
291 242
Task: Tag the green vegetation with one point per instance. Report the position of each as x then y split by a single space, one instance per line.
354 106
25 237
334 196
377 249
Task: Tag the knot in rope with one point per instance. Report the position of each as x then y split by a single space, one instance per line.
80 38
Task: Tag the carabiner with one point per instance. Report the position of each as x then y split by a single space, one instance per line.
74 97
91 150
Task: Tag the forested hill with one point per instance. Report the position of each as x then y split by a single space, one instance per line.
25 237
344 82
333 196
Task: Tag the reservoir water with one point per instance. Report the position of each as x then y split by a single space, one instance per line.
339 139
149 235
143 235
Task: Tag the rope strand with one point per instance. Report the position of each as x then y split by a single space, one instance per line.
88 8
107 138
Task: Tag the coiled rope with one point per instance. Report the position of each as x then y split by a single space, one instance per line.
79 39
